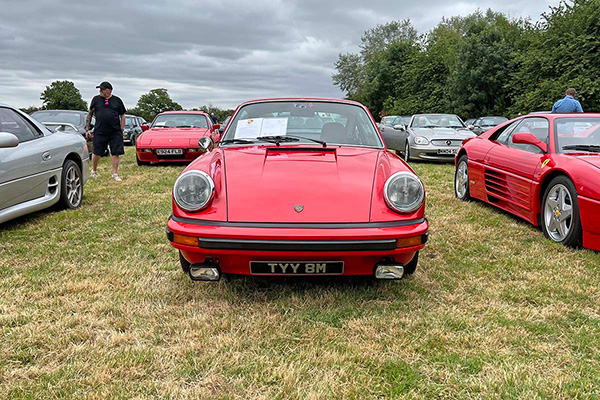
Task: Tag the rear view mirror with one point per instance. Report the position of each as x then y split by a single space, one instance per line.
529 138
8 140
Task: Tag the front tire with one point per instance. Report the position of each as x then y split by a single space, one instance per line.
407 151
185 264
71 186
461 180
411 267
561 222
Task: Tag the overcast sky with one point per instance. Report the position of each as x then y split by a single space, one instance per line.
210 51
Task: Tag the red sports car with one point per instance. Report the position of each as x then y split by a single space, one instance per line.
298 187
173 136
541 167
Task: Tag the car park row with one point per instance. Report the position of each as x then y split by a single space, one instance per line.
308 186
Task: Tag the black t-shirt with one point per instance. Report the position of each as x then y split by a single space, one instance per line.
108 117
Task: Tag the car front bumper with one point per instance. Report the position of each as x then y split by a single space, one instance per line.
150 156
359 246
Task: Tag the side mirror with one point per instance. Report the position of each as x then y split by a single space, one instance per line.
216 127
529 138
8 140
400 127
206 144
470 127
144 128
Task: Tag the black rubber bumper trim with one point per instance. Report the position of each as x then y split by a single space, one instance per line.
297 245
287 225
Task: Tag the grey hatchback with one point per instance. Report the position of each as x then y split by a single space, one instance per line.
38 167
65 120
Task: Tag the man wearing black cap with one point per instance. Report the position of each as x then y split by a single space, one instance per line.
109 111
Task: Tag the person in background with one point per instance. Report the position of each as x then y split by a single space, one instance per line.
568 104
109 111
214 118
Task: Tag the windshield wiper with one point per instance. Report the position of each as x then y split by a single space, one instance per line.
242 141
583 147
277 139
312 140
184 126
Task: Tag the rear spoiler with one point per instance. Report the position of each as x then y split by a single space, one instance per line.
61 126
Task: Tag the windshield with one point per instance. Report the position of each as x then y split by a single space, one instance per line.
572 132
58 116
437 121
404 120
130 121
180 121
492 121
333 123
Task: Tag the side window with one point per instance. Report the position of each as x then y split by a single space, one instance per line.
502 134
538 127
12 122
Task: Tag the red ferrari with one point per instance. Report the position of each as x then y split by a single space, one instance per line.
298 187
173 137
541 167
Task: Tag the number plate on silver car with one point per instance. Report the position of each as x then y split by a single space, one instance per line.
166 152
447 151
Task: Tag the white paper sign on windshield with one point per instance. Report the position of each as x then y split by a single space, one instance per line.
256 127
248 128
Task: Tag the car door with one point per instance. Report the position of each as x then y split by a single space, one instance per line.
510 167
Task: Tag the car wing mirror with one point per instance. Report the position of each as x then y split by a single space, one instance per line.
529 138
216 127
144 128
206 144
400 127
470 127
8 140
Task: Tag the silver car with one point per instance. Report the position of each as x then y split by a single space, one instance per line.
38 167
433 137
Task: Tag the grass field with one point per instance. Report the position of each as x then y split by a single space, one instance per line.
94 305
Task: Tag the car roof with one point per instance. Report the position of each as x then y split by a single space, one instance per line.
561 115
66 111
321 99
184 112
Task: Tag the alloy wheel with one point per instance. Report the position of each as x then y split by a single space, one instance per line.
461 183
73 185
558 212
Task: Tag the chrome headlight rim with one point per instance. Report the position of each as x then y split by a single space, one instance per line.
204 176
417 204
423 139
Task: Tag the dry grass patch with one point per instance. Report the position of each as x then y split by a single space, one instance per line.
95 306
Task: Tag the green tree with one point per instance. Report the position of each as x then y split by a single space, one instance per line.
220 113
62 95
31 109
155 102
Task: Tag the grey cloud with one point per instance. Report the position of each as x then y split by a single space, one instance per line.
219 52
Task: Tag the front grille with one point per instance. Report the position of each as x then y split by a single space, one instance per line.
442 142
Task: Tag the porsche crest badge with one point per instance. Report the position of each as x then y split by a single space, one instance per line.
298 208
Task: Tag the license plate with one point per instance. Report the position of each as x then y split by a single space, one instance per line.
447 151
167 152
297 267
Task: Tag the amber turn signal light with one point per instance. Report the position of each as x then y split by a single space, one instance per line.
409 241
187 240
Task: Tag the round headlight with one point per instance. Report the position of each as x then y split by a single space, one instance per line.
193 190
421 140
404 192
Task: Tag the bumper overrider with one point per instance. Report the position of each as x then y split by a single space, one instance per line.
298 249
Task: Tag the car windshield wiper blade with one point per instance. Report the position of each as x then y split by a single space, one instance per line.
311 139
277 139
583 147
237 141
184 126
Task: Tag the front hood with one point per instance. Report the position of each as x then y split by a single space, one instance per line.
443 133
172 137
266 184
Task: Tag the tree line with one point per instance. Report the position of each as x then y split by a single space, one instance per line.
482 64
64 95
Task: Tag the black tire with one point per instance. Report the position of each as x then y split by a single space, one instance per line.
411 267
462 182
552 217
185 264
407 151
140 163
133 139
71 186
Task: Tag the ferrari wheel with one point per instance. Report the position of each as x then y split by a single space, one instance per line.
461 180
185 264
560 212
411 267
407 151
71 189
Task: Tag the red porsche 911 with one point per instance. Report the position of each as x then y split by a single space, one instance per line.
298 187
173 137
544 168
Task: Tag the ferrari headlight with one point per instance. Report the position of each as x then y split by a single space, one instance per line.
421 140
193 190
404 192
